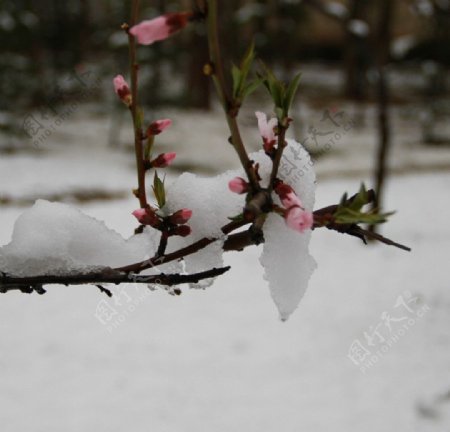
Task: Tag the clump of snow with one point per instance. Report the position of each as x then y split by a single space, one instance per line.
209 199
287 263
54 238
285 257
211 203
358 27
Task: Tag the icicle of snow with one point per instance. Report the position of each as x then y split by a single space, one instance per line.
54 238
287 263
358 27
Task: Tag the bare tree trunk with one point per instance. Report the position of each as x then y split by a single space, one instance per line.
382 43
356 46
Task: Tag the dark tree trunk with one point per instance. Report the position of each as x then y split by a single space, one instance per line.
356 55
382 43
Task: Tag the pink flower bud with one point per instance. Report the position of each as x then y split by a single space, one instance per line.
158 126
287 195
122 89
298 219
160 28
182 230
266 129
146 217
238 185
180 217
163 160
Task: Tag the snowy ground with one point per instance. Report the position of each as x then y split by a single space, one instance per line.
220 360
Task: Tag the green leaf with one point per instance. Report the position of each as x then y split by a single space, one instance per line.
349 216
275 87
159 191
248 58
237 79
350 212
240 76
282 95
291 92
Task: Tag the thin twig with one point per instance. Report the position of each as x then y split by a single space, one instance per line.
279 154
162 244
134 108
218 76
104 290
181 253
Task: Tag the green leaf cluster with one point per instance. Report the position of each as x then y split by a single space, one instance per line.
351 211
242 86
281 93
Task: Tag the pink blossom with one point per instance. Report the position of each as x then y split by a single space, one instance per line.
299 219
158 126
163 160
122 89
180 217
266 129
146 216
238 185
159 28
287 196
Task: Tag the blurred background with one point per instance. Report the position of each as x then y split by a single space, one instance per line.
373 106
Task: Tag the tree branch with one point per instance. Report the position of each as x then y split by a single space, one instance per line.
235 242
179 254
107 275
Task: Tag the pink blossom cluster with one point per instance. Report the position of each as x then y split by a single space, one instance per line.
175 224
296 217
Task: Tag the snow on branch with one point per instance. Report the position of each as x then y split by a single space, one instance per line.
188 224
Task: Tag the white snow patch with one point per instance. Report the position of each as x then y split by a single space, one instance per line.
54 238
